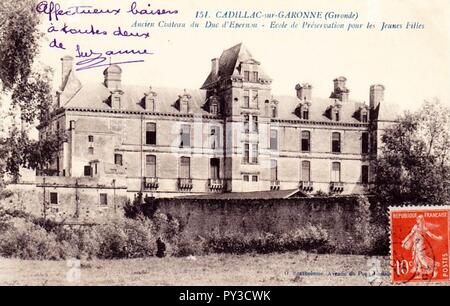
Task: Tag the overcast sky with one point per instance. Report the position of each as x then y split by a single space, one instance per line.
413 64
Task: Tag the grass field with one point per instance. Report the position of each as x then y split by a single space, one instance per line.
273 269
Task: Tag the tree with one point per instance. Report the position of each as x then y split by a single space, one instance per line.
414 165
19 37
27 85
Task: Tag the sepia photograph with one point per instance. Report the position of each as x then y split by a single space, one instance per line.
203 144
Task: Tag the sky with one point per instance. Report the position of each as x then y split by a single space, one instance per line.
412 64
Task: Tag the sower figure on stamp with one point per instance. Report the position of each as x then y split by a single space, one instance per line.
423 264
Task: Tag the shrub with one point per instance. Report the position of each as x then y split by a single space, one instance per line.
126 239
28 241
307 238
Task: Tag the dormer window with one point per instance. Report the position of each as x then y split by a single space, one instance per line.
115 99
149 100
184 102
213 104
274 108
364 118
214 109
255 76
337 115
274 111
246 76
305 114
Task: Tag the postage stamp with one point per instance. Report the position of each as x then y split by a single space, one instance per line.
419 244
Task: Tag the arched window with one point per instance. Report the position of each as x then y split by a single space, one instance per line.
305 113
185 167
336 172
306 141
336 142
337 115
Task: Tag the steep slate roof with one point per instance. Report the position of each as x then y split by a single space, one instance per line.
318 108
95 95
229 62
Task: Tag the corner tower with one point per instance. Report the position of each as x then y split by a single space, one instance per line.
243 89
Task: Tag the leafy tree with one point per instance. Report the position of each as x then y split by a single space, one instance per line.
28 87
19 37
414 165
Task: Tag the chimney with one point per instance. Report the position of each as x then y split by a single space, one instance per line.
376 95
304 91
113 76
340 91
215 66
66 68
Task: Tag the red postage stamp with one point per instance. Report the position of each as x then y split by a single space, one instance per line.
420 244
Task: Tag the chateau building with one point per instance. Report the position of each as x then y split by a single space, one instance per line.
232 135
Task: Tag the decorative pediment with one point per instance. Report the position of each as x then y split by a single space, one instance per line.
148 102
183 101
115 99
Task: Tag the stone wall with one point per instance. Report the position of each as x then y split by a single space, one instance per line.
252 217
78 200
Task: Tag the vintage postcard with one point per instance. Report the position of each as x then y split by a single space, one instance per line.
236 143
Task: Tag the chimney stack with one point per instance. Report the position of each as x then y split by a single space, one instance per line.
376 95
340 91
66 68
113 77
304 91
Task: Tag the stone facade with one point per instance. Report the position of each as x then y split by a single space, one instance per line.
232 135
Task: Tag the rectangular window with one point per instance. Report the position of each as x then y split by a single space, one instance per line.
118 159
91 150
150 133
255 76
246 76
306 171
54 198
305 114
364 118
255 124
336 142
91 138
87 171
246 98
254 178
185 167
246 123
246 153
150 166
103 199
254 100
306 140
215 168
336 172
365 174
273 170
337 116
274 112
273 139
214 108
246 178
185 136
255 153
215 137
365 143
